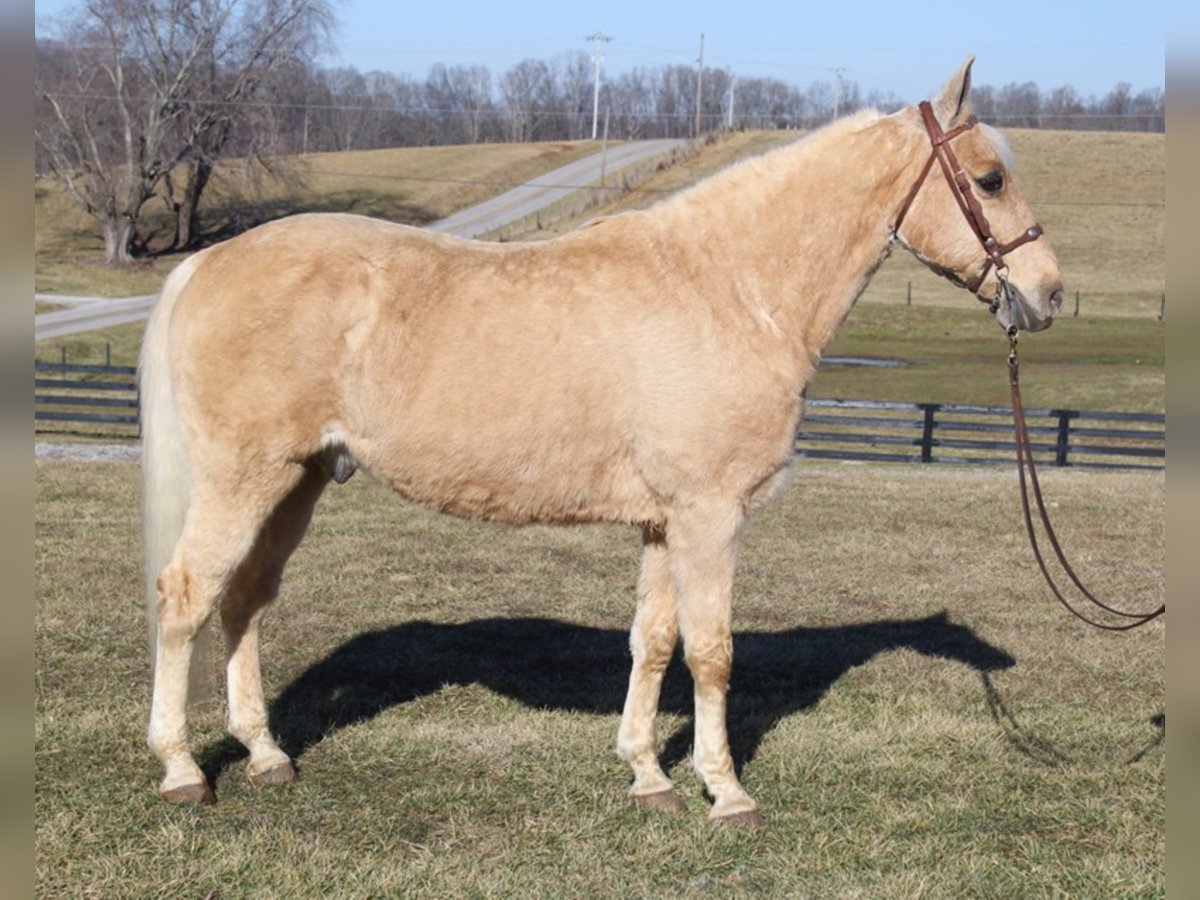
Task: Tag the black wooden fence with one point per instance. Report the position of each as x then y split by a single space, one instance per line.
95 399
103 400
948 433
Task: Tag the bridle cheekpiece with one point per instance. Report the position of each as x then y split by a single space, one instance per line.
960 187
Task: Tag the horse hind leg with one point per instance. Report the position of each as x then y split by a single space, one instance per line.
220 532
652 643
254 587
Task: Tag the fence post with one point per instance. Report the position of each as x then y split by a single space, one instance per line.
1076 302
1062 444
909 294
1162 309
927 432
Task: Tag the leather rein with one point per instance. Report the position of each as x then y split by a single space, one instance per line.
1025 461
960 187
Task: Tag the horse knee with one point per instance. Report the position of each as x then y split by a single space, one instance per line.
652 647
710 660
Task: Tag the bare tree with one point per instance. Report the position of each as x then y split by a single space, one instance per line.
1062 108
1019 105
1150 110
462 95
631 97
148 95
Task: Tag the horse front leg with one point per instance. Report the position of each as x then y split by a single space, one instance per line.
652 643
703 544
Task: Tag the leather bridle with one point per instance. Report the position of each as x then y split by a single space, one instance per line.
960 187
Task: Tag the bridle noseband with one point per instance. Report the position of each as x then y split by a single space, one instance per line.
960 187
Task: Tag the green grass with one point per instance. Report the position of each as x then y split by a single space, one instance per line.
959 356
452 690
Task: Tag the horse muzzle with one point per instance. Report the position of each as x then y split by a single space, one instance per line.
1013 307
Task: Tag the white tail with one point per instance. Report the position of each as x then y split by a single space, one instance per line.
165 482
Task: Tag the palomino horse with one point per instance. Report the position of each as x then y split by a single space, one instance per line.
646 370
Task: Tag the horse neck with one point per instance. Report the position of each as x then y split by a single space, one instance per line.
803 228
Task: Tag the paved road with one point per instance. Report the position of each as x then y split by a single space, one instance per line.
544 190
90 313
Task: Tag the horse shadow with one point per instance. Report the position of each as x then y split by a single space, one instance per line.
550 664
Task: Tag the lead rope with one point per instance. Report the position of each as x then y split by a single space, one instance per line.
1025 459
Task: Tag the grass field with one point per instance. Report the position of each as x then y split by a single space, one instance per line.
914 714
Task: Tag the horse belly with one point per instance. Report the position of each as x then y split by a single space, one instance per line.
504 472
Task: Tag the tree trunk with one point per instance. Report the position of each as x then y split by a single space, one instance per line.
187 213
118 241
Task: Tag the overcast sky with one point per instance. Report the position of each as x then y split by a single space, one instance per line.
1090 45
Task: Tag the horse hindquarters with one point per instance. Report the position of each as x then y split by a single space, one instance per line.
220 521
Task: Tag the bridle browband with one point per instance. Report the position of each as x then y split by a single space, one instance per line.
960 187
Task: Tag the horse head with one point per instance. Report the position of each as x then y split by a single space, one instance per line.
965 217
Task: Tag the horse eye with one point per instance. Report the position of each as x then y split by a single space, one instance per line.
991 183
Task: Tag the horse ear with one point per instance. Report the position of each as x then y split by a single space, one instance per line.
952 105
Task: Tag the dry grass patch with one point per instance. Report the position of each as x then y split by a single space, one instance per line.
912 711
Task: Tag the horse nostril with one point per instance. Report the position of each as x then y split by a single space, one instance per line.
1056 302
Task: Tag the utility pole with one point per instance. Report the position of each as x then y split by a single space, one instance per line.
699 83
729 114
597 38
837 91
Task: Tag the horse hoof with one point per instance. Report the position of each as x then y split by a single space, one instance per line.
667 801
190 795
283 773
750 818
